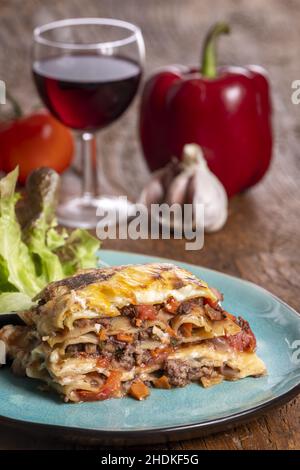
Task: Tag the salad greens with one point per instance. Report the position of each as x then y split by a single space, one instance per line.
33 250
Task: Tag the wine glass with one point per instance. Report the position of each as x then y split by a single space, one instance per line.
87 72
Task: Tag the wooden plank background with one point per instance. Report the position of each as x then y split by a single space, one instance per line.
261 239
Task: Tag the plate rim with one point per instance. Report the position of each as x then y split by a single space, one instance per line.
172 432
161 434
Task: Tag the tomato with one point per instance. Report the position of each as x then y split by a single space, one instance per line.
111 388
171 305
187 329
146 312
245 340
34 141
102 362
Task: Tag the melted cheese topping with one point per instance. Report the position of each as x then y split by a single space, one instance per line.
146 284
139 284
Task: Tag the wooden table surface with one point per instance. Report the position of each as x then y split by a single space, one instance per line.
261 239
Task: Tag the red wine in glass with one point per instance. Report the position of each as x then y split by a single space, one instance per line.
87 72
87 91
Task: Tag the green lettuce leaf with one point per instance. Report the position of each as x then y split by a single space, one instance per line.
14 302
55 238
56 254
79 252
17 270
33 249
40 225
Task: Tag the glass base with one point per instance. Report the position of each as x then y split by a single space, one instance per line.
87 212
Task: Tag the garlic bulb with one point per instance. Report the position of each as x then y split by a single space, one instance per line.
189 181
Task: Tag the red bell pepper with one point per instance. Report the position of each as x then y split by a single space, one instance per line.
227 111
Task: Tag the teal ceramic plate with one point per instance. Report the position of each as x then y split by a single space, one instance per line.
178 413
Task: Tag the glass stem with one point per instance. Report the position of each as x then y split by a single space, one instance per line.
88 155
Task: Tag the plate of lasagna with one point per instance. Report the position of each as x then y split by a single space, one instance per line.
145 350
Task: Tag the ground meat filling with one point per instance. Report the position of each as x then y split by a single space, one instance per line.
187 305
90 322
145 334
213 313
126 355
143 357
180 372
245 340
76 350
129 311
120 354
177 372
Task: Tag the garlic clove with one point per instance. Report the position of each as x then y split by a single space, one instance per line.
176 193
191 189
171 170
208 190
153 193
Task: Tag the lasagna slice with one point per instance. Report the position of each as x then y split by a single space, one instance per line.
111 332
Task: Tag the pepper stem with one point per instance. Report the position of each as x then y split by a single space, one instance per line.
209 55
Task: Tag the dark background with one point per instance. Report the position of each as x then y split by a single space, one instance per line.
261 239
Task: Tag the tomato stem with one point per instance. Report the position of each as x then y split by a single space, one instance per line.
17 110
